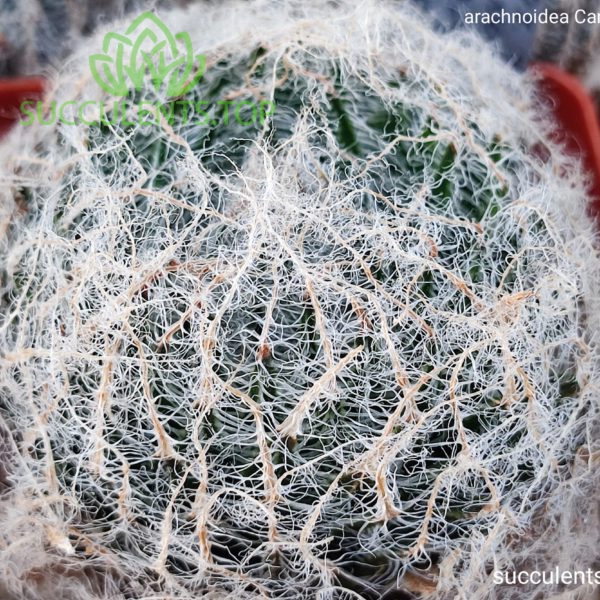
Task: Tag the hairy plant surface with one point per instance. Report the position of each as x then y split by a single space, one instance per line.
303 357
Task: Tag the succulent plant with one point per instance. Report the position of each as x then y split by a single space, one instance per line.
320 352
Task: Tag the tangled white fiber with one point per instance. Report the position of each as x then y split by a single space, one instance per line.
345 351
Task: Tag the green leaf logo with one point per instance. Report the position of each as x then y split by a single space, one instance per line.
152 49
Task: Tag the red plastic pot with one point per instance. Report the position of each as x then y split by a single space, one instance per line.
579 128
12 93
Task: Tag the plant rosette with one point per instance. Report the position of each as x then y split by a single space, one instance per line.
344 346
